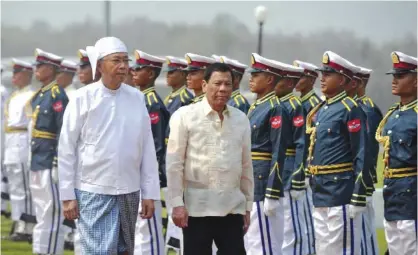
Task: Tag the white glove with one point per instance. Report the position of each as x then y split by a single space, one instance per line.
296 194
307 182
369 200
270 206
54 174
354 211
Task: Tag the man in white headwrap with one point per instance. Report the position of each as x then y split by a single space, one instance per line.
106 155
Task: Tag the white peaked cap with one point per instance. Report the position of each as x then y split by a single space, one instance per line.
104 47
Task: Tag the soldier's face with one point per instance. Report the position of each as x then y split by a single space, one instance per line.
85 74
129 80
284 87
21 79
404 84
352 86
218 89
305 83
260 81
175 78
115 67
64 78
331 83
44 72
195 79
142 76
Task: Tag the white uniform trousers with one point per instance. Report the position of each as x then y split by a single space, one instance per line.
368 234
294 226
77 244
309 237
401 237
48 234
19 190
265 234
336 232
149 238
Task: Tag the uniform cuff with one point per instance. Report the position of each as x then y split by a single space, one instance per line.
177 201
67 194
249 206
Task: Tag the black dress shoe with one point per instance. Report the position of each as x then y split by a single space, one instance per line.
387 252
69 246
19 237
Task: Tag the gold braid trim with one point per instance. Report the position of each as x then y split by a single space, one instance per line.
311 130
384 140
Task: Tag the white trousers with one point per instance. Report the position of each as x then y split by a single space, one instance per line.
77 244
368 234
294 226
309 238
265 234
149 238
401 236
48 234
336 232
19 190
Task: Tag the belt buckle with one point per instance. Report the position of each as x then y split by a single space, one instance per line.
313 170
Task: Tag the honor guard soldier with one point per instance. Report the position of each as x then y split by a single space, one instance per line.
17 151
269 142
128 80
294 171
374 117
196 66
176 79
147 68
236 100
4 185
336 158
398 134
309 100
84 69
65 77
47 106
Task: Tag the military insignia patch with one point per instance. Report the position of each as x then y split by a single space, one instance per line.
354 125
276 121
57 106
295 63
298 121
222 60
155 118
395 58
325 59
168 61
80 56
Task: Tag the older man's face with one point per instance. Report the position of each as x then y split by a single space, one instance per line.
218 89
115 65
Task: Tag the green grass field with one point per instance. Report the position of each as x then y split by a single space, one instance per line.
11 248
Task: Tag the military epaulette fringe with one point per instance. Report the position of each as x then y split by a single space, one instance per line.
349 103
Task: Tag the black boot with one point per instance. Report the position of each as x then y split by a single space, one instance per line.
387 252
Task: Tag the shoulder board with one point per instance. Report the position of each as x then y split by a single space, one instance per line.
294 102
274 101
151 98
55 91
349 103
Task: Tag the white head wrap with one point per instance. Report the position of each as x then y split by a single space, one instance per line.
103 47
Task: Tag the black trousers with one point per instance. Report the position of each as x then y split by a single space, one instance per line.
227 233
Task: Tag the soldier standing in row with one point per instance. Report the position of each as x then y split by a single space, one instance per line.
268 145
338 134
17 151
85 74
294 170
65 77
309 100
397 132
48 106
148 233
196 66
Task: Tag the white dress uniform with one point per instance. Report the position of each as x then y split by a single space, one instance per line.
16 154
4 185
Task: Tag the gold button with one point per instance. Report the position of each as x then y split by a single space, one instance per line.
38 106
329 130
400 140
390 132
408 190
46 111
260 177
326 107
317 123
33 142
335 178
397 116
171 100
41 95
254 126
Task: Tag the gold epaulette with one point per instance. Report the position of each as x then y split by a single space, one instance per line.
294 101
151 98
274 101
